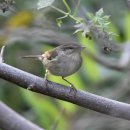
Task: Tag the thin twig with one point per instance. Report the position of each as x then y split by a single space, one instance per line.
1 54
76 8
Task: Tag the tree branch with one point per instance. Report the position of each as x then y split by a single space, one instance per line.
10 120
81 98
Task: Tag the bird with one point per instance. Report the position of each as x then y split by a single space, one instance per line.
63 60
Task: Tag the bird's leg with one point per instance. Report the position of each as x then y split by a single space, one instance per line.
46 77
46 74
71 85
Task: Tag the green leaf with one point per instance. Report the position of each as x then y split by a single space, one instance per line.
107 23
44 3
106 17
84 28
59 22
99 13
90 15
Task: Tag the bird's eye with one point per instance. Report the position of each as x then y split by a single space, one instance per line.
69 48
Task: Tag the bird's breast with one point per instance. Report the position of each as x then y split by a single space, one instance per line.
64 65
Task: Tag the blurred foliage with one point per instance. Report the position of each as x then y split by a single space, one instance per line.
25 21
92 77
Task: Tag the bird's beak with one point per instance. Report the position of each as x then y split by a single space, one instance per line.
83 47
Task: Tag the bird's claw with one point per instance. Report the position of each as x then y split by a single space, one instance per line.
73 89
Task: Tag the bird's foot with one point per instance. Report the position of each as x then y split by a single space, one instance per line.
73 89
30 87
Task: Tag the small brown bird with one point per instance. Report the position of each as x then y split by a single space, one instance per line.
63 60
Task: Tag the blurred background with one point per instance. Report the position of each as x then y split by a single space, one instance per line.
25 30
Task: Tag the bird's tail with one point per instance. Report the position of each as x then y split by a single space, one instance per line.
31 56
